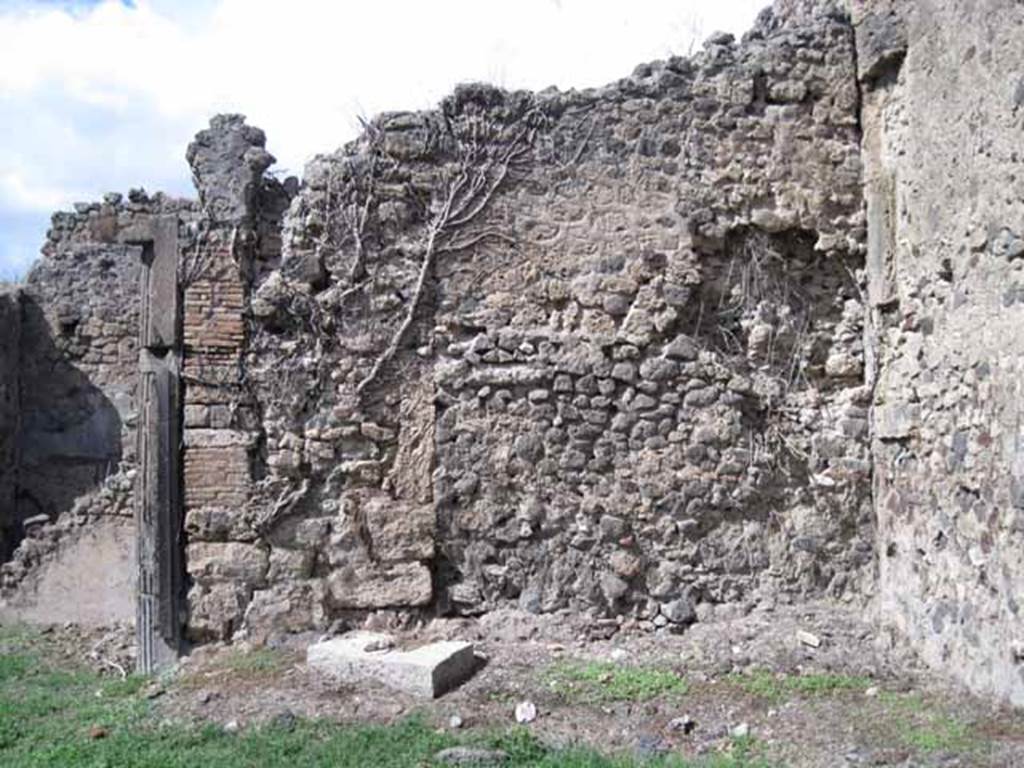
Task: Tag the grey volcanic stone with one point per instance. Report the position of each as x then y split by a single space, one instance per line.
679 611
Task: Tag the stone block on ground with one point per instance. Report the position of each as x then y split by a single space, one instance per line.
430 670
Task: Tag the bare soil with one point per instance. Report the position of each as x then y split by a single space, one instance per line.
857 699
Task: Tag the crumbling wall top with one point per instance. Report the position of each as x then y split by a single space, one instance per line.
228 161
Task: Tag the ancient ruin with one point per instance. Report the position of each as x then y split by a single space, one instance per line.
737 328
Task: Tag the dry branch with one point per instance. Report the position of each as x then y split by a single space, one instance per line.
481 173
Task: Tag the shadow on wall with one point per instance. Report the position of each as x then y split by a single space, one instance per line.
69 437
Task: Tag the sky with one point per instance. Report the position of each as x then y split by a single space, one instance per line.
104 95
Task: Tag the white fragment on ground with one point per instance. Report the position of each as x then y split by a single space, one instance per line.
429 670
526 712
809 639
741 731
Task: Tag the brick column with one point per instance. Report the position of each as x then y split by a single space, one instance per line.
220 439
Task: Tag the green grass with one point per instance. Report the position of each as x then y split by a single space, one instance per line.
777 687
603 682
50 715
524 750
940 733
916 725
744 752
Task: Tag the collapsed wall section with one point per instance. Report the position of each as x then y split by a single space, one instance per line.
943 113
77 373
597 350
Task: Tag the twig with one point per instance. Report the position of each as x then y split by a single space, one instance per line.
96 656
396 340
464 244
583 145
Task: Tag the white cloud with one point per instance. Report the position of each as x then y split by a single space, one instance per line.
17 194
106 96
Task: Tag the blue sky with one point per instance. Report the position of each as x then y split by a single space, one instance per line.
104 95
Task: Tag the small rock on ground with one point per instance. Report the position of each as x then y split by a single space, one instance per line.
809 639
470 756
526 712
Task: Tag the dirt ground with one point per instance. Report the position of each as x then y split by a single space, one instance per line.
856 699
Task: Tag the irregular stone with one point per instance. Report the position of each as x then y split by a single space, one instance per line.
625 564
613 587
364 586
681 348
232 561
215 611
285 608
657 369
381 528
680 611
624 371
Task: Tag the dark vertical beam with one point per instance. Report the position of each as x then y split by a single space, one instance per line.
158 502
160 316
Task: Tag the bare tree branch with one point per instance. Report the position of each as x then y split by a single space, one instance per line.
484 167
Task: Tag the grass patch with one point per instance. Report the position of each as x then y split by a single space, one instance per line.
604 682
915 725
941 733
776 687
525 750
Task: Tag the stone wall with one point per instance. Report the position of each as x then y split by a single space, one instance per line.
10 346
79 368
597 350
77 374
943 113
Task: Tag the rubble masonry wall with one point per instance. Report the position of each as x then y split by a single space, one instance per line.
943 112
598 351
